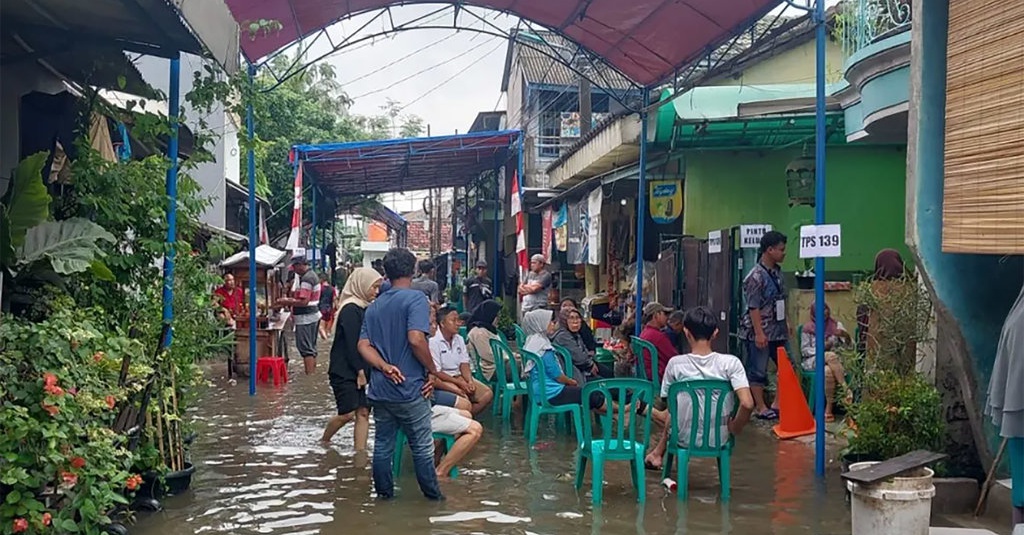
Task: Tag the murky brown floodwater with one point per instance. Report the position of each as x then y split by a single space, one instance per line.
261 470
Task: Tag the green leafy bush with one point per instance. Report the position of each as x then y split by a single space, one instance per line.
897 414
62 466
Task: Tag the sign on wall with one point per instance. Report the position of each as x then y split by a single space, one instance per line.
570 122
750 235
715 241
666 200
821 241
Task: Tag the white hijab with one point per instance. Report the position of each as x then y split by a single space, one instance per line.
535 327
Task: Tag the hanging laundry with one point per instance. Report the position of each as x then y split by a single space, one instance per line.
561 225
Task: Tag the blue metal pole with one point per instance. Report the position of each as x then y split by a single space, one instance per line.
819 219
173 113
312 230
641 214
250 127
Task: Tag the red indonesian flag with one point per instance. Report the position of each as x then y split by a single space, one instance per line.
517 211
293 237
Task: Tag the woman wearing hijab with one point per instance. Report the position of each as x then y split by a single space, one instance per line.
890 277
560 389
348 371
835 335
570 336
569 304
483 327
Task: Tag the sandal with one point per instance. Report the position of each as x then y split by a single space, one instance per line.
768 414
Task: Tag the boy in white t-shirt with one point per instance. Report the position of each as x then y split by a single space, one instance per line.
700 328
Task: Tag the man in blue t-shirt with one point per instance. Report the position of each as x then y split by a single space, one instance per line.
393 341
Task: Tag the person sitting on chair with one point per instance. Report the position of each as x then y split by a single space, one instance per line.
452 359
700 328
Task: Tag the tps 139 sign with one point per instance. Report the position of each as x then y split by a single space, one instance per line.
820 241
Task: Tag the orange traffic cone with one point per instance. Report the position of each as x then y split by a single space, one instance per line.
795 419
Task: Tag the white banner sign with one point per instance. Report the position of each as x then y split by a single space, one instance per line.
715 241
820 241
750 235
594 232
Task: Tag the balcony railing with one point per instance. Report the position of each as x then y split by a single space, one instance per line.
860 23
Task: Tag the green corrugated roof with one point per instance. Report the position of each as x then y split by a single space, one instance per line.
722 102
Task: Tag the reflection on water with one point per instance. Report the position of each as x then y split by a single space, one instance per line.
261 470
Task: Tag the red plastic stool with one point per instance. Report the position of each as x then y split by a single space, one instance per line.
267 366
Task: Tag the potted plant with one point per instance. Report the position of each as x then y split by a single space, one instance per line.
804 278
897 410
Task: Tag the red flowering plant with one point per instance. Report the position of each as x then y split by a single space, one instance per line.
62 468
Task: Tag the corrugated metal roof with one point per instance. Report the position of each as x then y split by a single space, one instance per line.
541 68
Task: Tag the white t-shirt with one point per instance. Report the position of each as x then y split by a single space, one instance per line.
448 357
690 367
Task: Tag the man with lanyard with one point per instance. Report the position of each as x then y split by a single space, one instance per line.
305 303
763 327
479 288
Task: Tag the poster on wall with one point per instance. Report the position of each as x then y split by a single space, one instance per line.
594 227
666 200
561 225
547 219
576 247
570 122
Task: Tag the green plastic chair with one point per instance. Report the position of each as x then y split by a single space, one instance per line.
506 388
401 439
478 374
464 333
639 346
563 352
618 441
706 421
520 336
539 404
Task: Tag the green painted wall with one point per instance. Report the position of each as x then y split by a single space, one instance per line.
865 193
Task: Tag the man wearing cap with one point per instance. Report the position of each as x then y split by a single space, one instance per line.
655 319
305 303
534 291
479 288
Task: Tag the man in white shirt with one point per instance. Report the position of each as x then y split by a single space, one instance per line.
701 327
451 358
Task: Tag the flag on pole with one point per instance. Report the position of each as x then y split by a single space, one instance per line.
264 236
517 212
293 237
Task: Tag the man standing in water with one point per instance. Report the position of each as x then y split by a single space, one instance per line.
763 327
394 343
305 303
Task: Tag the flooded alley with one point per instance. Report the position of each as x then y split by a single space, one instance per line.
262 470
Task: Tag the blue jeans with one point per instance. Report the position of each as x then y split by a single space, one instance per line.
413 418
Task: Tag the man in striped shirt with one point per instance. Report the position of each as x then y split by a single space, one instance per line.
305 303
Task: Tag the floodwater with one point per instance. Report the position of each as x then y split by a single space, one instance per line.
260 469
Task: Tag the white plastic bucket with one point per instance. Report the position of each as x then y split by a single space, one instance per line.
897 506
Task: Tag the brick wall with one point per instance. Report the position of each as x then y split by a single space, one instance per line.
419 238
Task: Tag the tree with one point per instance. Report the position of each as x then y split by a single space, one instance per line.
308 108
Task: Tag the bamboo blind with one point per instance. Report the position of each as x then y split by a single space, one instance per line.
983 201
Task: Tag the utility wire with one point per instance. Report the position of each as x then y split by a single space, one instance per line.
421 71
399 60
452 77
